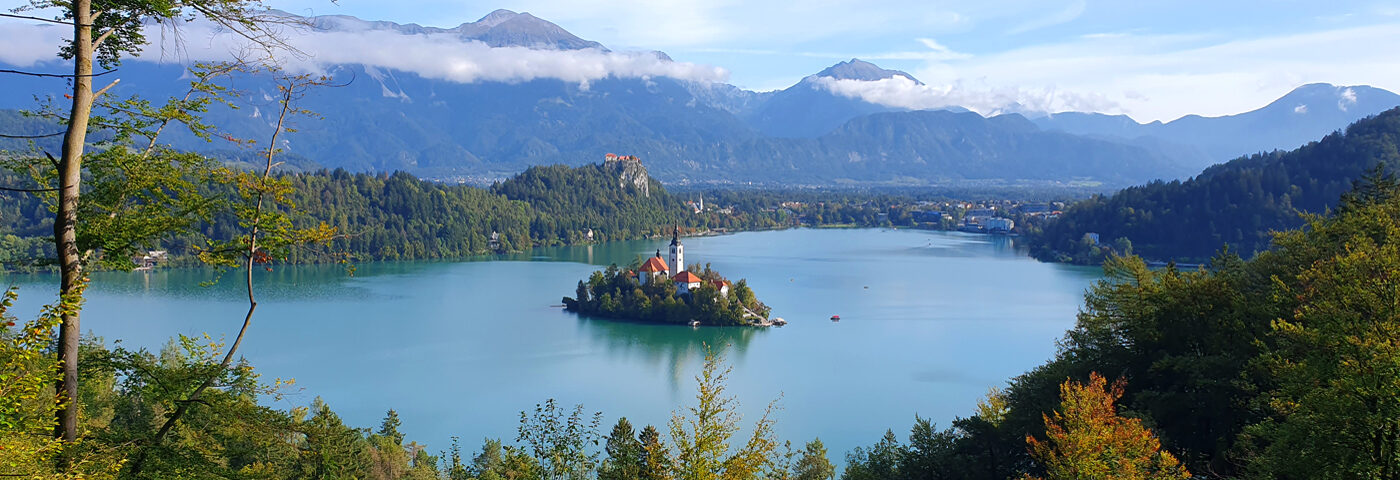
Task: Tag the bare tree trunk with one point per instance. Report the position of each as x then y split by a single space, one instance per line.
70 168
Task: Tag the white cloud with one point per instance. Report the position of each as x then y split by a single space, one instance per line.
934 45
1066 15
901 92
686 24
26 45
1162 77
445 57
1300 109
928 55
1347 99
440 56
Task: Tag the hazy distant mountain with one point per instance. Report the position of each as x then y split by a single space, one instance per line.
949 146
1305 114
808 110
501 28
386 120
857 69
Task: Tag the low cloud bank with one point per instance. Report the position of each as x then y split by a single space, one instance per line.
902 92
437 56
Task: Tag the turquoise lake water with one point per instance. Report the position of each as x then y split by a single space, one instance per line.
930 321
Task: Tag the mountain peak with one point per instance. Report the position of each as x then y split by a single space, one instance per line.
1325 97
496 18
505 28
500 28
857 69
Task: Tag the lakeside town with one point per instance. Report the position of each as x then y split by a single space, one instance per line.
1004 216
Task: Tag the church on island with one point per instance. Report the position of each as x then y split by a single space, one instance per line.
655 269
662 290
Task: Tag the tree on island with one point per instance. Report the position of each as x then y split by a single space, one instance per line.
618 293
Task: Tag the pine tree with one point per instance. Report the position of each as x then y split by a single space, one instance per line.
656 464
813 464
389 428
625 455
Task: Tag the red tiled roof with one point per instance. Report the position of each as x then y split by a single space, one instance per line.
719 283
686 277
655 264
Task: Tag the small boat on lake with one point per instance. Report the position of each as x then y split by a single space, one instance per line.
694 323
779 322
835 318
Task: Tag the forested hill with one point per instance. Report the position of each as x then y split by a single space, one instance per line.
616 200
400 217
1236 203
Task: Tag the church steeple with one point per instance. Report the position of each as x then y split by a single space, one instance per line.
677 252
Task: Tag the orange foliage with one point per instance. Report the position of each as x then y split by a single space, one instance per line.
1087 439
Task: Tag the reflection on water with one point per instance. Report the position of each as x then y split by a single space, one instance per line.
597 254
677 347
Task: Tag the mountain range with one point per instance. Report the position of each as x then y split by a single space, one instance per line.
689 131
1307 113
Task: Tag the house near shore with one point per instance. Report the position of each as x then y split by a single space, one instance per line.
150 260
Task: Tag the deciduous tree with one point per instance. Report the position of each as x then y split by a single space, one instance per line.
104 31
1086 439
702 433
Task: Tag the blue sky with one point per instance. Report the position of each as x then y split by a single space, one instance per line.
1151 59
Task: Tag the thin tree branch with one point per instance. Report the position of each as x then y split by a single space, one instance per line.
46 135
108 87
225 69
102 37
253 231
28 190
55 75
41 19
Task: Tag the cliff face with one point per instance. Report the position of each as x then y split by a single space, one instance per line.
629 170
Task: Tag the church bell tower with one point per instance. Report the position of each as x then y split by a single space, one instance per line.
677 252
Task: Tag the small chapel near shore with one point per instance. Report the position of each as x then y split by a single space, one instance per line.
656 269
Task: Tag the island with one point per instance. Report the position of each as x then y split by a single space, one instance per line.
649 291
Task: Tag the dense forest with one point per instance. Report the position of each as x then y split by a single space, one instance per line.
1280 366
400 217
616 200
1237 203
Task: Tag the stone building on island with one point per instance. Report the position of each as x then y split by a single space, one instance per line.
655 268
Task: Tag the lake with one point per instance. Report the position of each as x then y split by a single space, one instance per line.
929 321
